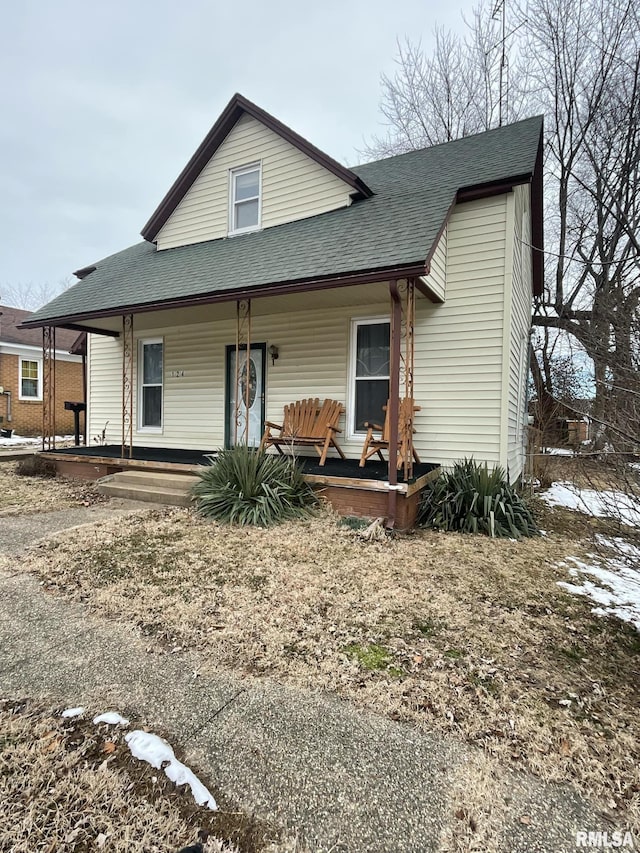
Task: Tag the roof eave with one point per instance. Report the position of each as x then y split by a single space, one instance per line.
345 279
212 141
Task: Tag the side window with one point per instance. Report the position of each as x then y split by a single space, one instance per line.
369 372
150 373
244 191
30 379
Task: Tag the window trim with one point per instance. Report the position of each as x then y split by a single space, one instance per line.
351 433
140 427
233 174
26 397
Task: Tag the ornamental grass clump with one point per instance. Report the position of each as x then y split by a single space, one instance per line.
473 499
247 486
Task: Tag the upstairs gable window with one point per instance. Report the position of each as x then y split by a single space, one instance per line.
244 209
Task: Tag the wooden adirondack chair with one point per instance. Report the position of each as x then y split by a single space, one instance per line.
406 449
308 424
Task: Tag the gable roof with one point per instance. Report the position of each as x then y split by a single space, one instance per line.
10 332
391 233
235 109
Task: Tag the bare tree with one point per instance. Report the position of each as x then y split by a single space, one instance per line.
452 92
578 62
31 295
584 63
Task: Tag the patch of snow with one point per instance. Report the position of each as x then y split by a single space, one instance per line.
23 441
156 752
616 587
558 451
622 546
73 712
606 503
112 718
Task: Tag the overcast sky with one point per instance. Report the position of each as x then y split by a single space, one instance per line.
103 103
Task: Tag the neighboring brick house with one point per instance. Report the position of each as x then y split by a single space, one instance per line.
21 375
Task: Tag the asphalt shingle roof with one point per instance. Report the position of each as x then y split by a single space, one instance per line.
397 226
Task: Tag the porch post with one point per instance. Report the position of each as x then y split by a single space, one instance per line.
127 386
243 342
406 370
394 391
48 387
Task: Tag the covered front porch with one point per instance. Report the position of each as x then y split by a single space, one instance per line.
169 386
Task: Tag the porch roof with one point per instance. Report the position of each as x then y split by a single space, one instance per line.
396 229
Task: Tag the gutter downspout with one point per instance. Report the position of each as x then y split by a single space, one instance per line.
394 392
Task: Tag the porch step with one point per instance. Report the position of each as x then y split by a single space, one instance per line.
149 486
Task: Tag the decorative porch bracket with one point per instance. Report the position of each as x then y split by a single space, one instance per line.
127 386
48 387
407 293
242 379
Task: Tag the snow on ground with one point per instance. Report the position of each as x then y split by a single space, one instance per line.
23 441
558 451
73 712
606 503
157 752
616 588
112 718
148 747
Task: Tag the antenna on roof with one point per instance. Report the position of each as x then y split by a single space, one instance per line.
499 11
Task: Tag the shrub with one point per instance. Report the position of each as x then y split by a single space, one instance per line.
36 466
472 499
247 486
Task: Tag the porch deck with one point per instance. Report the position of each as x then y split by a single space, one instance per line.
350 489
168 458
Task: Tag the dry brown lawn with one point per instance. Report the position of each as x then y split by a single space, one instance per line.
21 495
463 634
68 785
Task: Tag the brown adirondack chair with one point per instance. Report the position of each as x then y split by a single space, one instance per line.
372 445
308 424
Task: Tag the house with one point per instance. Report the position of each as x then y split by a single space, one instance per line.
411 276
22 375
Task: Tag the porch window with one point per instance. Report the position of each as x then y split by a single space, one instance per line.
150 371
369 371
244 210
30 379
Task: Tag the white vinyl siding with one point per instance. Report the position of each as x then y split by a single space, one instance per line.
437 277
458 345
293 187
518 343
104 394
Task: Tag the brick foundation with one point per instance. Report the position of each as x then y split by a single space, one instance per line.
365 503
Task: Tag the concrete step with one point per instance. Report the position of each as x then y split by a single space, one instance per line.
156 495
155 479
150 486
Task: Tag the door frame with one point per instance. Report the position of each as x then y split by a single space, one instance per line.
229 348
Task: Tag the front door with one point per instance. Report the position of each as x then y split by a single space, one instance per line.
245 386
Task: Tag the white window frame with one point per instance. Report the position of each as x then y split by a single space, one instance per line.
353 353
142 342
233 174
21 396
